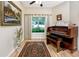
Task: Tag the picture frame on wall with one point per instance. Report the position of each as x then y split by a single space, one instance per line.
1 13
11 14
59 17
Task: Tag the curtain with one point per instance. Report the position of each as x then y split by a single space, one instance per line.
27 26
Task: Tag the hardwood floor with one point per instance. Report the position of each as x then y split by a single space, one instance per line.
52 50
65 53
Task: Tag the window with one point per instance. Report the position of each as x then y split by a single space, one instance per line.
38 24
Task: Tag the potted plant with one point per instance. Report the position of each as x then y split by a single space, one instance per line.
19 37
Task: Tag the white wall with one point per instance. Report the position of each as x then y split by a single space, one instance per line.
38 11
74 15
7 40
64 9
74 12
7 37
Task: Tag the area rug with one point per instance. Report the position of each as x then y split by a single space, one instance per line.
34 49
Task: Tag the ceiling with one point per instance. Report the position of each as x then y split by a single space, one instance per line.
46 4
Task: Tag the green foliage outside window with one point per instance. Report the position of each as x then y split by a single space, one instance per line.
38 24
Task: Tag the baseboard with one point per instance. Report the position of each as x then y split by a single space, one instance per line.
12 52
14 49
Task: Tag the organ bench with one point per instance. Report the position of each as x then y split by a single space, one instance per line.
64 37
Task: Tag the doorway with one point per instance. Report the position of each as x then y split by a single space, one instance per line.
38 27
35 26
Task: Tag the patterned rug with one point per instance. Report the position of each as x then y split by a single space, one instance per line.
34 49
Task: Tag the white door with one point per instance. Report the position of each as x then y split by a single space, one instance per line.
38 27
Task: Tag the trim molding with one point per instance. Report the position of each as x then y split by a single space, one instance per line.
12 52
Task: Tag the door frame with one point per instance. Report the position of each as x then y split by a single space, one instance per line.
44 29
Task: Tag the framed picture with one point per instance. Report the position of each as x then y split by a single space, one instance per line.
11 14
59 17
1 13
